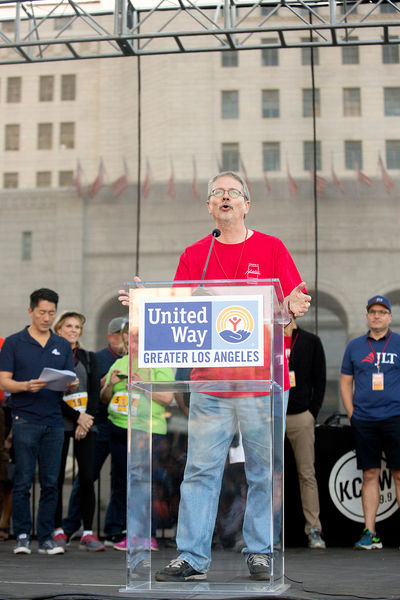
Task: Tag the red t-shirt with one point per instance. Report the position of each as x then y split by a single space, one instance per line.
261 257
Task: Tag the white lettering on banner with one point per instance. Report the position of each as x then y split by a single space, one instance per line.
184 334
177 315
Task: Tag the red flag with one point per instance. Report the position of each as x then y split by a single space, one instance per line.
243 169
387 180
337 182
321 182
195 191
146 182
171 183
98 182
293 187
78 179
361 177
120 184
267 184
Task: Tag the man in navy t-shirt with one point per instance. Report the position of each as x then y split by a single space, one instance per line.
37 423
371 365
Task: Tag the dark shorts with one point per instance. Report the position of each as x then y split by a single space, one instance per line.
374 437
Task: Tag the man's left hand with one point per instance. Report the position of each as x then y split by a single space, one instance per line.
298 301
73 386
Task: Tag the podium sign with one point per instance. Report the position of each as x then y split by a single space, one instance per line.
228 336
201 331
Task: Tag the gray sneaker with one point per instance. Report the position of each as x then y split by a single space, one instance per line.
23 544
314 539
259 566
50 547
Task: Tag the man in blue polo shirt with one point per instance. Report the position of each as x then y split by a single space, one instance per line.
37 423
371 365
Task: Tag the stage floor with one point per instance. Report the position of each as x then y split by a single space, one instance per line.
315 574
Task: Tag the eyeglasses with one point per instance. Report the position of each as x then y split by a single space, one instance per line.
381 313
232 193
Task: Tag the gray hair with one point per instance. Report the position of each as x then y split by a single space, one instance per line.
236 176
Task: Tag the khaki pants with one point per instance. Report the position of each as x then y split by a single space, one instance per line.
300 433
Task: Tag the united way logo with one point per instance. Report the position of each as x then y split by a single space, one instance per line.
234 324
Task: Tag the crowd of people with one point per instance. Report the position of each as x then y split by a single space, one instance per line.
91 409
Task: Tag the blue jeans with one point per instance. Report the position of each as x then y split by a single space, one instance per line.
42 443
212 423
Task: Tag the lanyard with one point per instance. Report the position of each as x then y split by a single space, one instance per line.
384 348
113 353
292 343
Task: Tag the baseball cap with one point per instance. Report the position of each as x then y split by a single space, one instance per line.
117 324
379 300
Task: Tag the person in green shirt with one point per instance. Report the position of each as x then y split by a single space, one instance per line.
115 394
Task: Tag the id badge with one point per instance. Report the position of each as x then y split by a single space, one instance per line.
292 379
377 381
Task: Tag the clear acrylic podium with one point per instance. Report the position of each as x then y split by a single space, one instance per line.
229 337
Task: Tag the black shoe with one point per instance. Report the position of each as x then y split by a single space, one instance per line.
259 566
141 570
179 570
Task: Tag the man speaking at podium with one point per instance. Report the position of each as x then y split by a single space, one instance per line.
231 252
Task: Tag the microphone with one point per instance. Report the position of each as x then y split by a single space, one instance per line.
215 233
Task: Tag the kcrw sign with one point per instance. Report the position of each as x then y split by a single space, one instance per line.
345 483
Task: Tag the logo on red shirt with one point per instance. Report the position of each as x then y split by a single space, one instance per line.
253 271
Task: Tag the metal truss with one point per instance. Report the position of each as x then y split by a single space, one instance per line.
42 31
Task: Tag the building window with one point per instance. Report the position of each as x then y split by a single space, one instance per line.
26 245
46 88
68 87
306 53
351 102
8 26
267 10
230 157
269 56
43 179
393 154
230 58
230 104
353 154
308 155
12 137
348 8
10 180
392 101
388 8
45 136
67 135
14 85
271 156
270 104
390 54
351 54
308 103
65 178
62 23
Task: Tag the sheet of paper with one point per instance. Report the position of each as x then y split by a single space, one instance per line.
236 454
57 380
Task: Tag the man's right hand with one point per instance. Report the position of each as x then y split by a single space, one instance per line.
35 385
